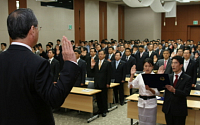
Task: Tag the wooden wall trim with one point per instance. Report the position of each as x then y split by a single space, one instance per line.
79 20
102 20
186 14
120 22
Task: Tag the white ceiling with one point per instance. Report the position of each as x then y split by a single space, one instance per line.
122 3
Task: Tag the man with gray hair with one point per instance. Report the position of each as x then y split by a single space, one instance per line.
27 91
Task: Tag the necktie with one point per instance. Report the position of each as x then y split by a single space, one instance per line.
140 55
159 52
127 58
116 64
99 64
185 66
149 53
176 80
165 64
109 56
49 61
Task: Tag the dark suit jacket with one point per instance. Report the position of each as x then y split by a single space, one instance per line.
27 91
159 56
129 64
139 61
81 78
88 65
102 77
60 59
123 56
176 104
191 70
112 57
152 55
55 69
118 74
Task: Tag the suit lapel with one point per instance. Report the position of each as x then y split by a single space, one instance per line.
188 67
103 64
119 64
171 79
181 78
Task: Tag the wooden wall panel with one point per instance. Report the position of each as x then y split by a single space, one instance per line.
120 22
186 14
79 20
102 20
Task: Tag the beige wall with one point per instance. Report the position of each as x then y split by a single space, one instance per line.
91 20
4 37
141 23
54 22
112 21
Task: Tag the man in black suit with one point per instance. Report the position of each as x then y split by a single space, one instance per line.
58 42
102 77
25 78
122 50
130 61
3 47
140 57
151 53
82 64
159 51
54 64
88 60
104 47
110 56
190 66
175 101
119 74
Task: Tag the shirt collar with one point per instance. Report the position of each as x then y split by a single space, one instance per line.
21 44
78 59
178 74
187 60
51 59
101 60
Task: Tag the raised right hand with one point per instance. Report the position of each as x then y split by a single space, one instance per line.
133 70
93 63
67 50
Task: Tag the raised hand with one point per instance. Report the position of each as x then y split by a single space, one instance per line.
161 70
67 50
133 70
93 63
173 54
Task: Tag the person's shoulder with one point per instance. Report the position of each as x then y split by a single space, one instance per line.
83 61
184 75
55 60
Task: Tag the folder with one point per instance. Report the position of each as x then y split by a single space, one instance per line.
156 80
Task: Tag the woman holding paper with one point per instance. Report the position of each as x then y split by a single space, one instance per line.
147 102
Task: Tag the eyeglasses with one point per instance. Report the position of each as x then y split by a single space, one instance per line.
39 28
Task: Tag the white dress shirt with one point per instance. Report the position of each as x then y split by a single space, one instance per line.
110 55
186 62
139 83
50 60
78 59
178 76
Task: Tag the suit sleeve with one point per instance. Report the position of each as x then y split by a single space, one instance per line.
55 95
109 70
186 90
83 68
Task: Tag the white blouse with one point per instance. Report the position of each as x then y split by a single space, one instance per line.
139 83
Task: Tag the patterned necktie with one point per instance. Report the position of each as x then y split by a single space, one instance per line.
176 80
165 64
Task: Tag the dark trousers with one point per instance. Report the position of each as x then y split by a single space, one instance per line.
102 101
175 120
119 90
